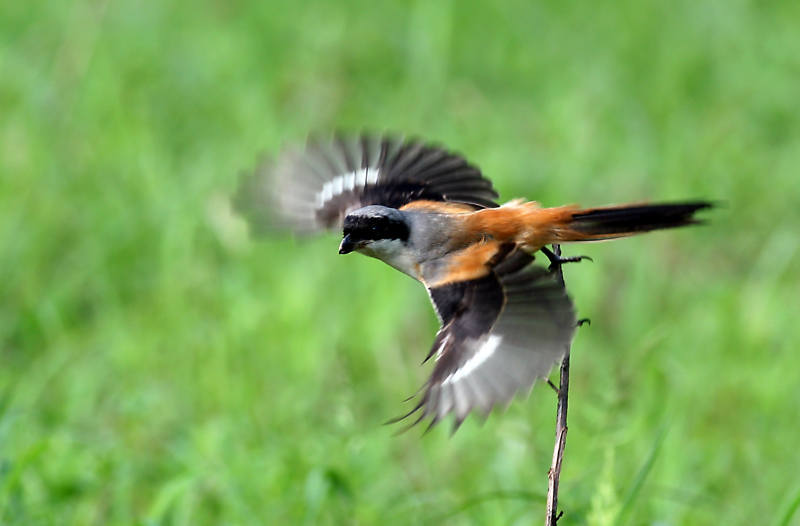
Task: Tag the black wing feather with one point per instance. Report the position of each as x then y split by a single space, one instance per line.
311 189
499 334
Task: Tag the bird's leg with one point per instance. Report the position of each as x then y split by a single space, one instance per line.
556 261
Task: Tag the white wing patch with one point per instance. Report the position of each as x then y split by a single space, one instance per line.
345 183
371 177
443 345
484 352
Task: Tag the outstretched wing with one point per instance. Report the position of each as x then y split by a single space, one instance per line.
499 334
311 189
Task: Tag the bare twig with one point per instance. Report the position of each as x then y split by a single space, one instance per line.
561 427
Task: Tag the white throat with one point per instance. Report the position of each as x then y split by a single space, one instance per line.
394 253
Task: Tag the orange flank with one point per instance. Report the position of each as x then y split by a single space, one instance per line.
472 262
526 224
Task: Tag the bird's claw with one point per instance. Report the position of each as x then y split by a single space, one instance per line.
556 261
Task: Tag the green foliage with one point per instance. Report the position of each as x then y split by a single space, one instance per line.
158 368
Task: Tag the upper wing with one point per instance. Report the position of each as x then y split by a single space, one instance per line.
314 188
499 334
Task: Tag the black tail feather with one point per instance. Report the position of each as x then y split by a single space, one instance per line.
626 220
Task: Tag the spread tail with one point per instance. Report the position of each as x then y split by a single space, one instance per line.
597 224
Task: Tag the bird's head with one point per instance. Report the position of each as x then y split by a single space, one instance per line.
376 231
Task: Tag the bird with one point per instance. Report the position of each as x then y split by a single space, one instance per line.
426 211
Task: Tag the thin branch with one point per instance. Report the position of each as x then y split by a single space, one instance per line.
561 427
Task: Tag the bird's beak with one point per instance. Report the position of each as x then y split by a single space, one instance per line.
347 245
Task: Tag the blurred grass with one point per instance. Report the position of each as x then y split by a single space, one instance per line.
157 368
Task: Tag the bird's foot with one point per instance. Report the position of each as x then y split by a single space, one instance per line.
556 261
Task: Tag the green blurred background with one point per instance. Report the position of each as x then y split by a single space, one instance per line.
156 367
